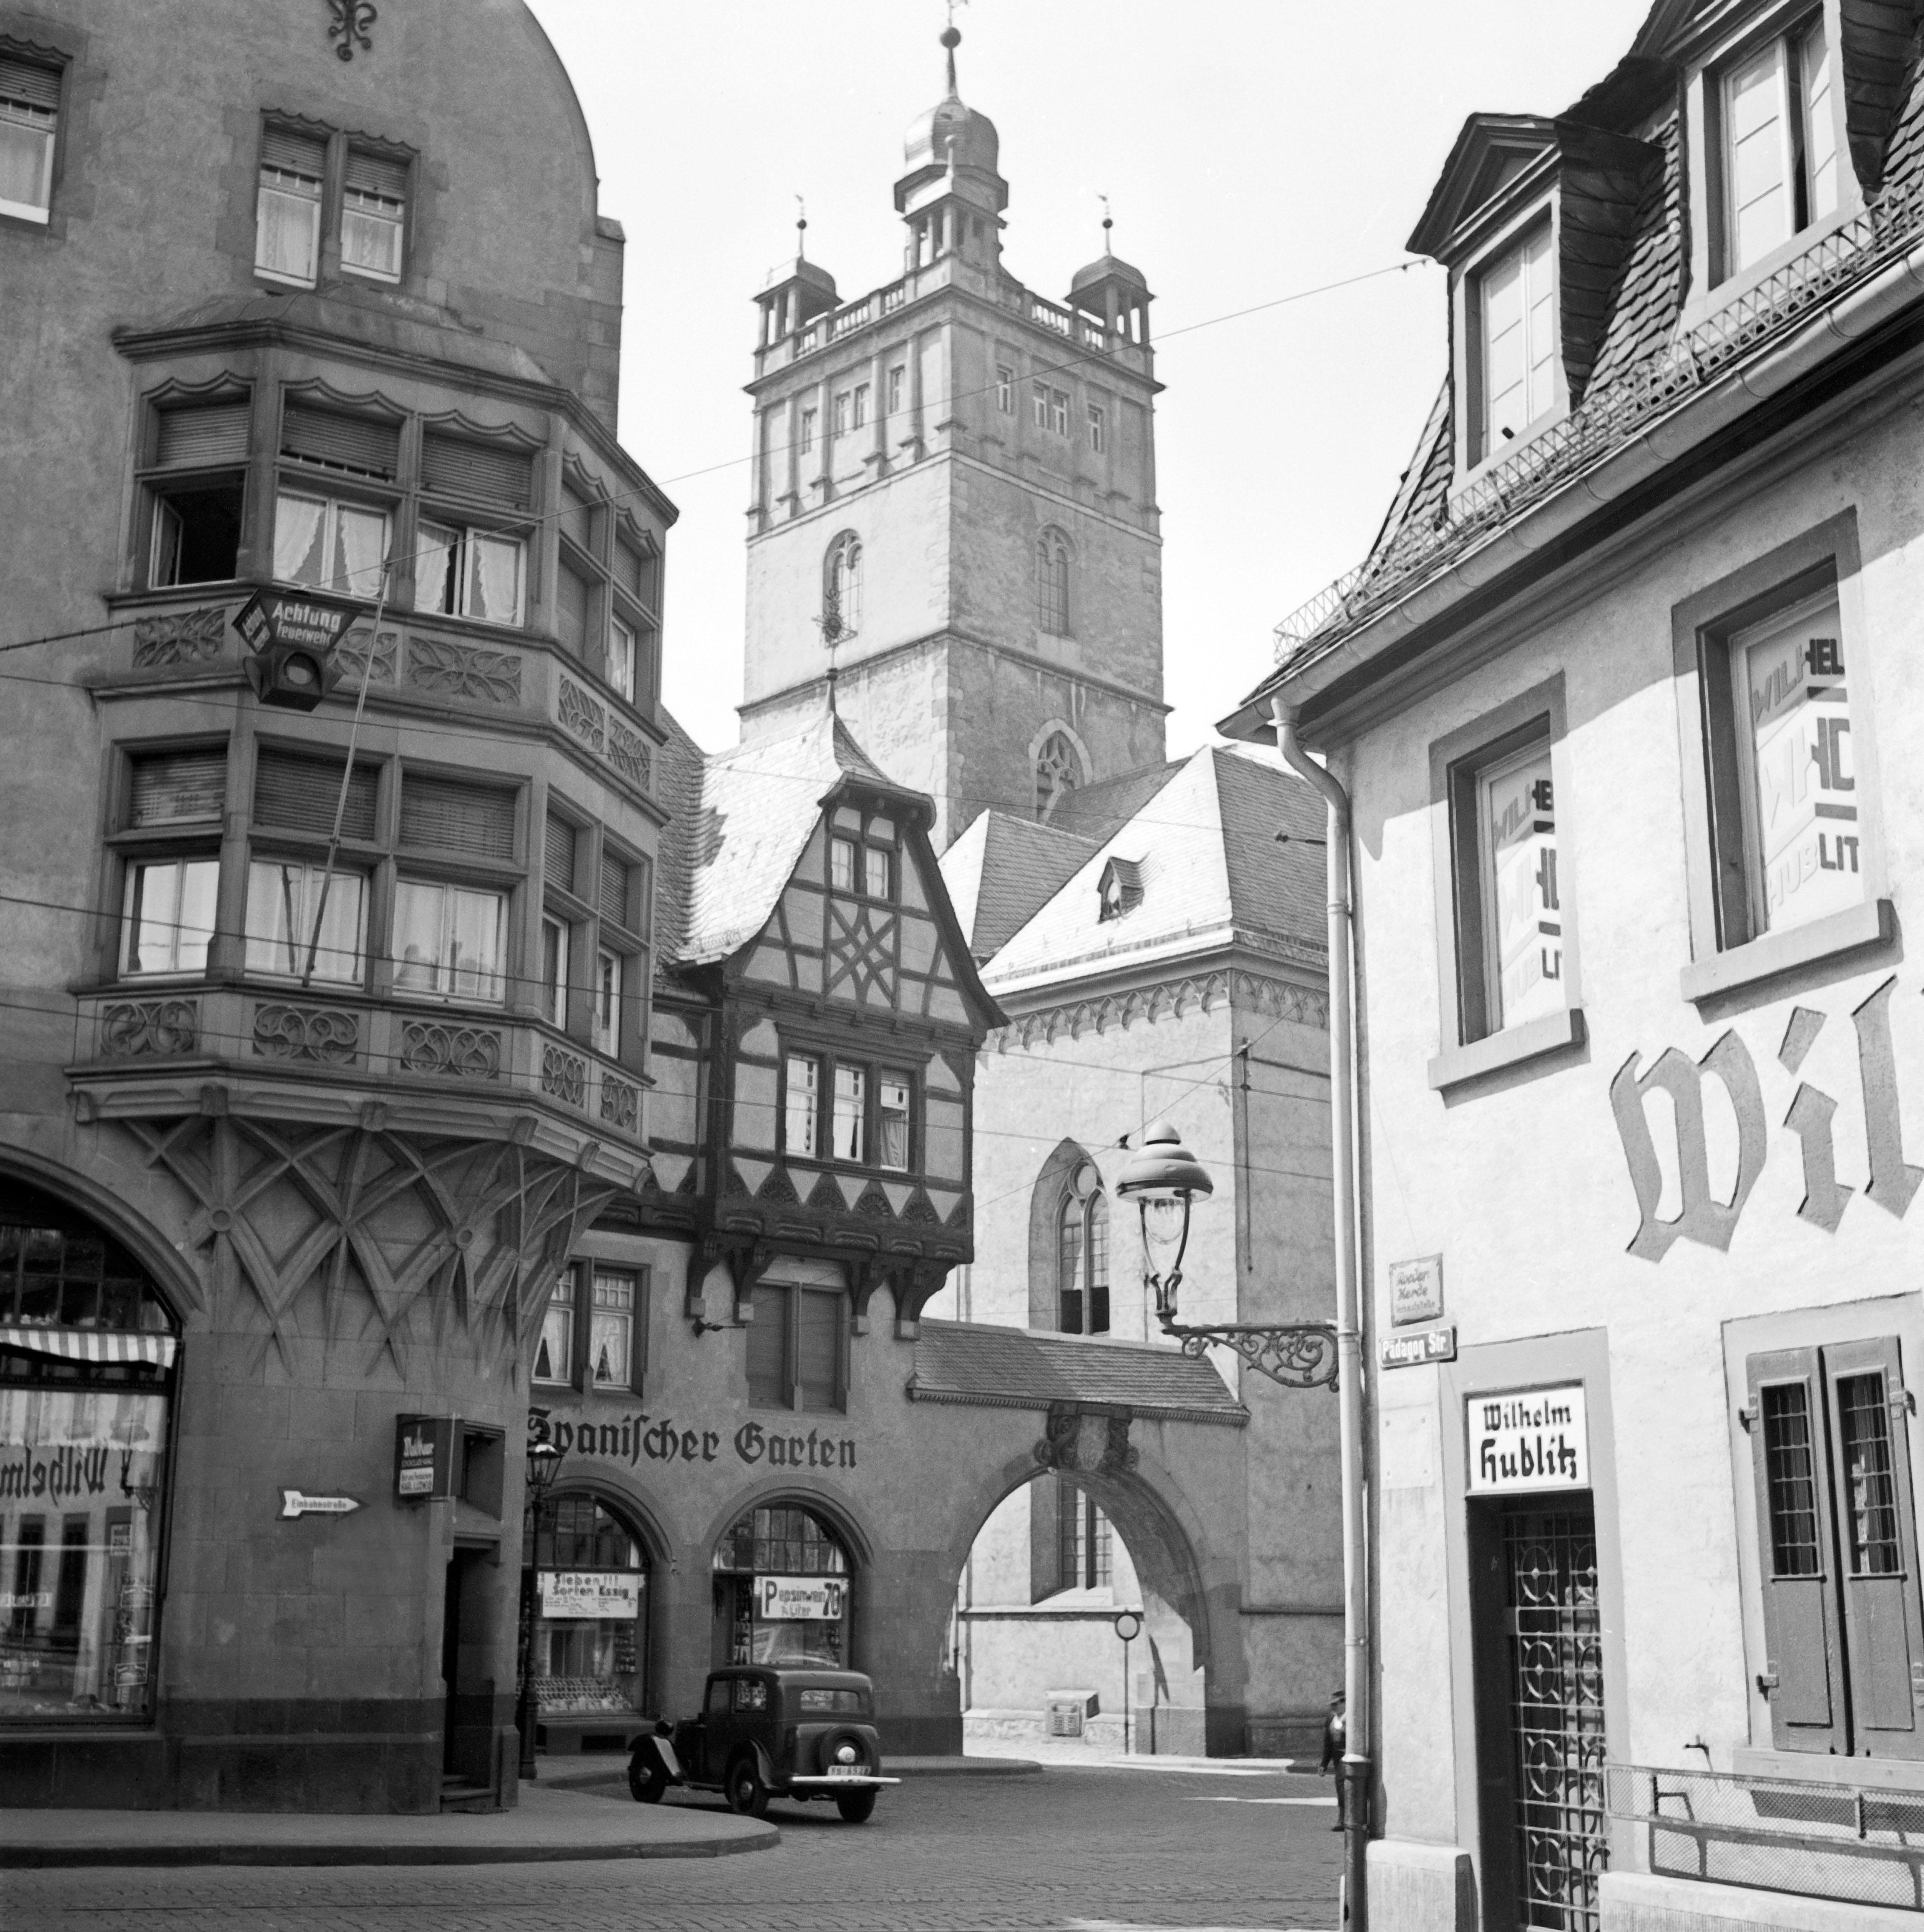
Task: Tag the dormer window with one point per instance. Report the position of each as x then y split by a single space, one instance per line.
1120 889
1776 146
1516 329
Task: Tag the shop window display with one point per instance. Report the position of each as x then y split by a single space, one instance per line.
591 1607
86 1360
783 1593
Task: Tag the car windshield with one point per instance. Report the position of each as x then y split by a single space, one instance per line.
853 1703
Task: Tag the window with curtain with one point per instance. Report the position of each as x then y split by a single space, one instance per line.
801 1113
469 573
892 1101
168 920
29 119
554 1353
1051 583
283 903
374 215
287 214
449 941
329 545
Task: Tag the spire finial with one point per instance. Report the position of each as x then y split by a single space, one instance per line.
1108 222
801 229
833 674
952 39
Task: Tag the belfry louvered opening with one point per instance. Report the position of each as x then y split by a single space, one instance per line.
299 793
452 815
359 446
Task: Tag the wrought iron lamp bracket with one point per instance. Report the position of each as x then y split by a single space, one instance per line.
1297 1354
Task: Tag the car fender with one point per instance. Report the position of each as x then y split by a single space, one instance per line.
663 1753
764 1765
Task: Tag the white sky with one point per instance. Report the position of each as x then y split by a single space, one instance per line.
1252 149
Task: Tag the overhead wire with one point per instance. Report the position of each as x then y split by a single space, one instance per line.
533 522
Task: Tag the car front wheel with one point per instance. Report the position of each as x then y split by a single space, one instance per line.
856 1808
646 1780
747 1795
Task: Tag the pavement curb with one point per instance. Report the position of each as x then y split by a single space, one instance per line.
40 1857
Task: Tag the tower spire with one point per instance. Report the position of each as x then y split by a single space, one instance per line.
952 39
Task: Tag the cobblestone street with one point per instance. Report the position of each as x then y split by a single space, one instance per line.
1069 1851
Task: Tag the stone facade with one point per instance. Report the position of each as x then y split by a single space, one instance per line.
304 287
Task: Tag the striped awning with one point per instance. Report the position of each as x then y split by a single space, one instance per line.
92 1344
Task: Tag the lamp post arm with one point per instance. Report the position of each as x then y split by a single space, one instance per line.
1359 1730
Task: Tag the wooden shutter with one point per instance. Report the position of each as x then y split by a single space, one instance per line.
170 787
359 444
376 174
613 890
577 518
1877 1545
558 853
300 793
453 816
31 86
768 1348
1796 1553
628 567
215 433
294 154
818 1331
451 466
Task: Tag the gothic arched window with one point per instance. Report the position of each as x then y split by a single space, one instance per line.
842 588
1051 583
1081 1254
1058 769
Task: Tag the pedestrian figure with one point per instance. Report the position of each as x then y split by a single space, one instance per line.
1332 1734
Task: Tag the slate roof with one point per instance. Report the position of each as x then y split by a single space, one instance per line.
1646 362
1002 869
742 818
1212 870
979 1365
1098 811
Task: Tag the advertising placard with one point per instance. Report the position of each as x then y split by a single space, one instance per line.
590 1593
1528 1439
1416 1290
799 1599
423 1456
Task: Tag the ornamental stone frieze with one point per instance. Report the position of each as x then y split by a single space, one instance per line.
369 1243
1201 992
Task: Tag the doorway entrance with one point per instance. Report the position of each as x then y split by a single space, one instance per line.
1540 1730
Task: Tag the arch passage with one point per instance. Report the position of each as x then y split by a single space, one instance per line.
784 1589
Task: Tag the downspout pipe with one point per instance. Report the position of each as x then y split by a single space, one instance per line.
1354 1781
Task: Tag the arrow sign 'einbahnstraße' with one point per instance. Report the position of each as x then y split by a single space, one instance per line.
293 1503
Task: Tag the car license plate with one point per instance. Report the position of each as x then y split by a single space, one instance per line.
848 1771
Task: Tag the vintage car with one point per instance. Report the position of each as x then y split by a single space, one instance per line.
766 1733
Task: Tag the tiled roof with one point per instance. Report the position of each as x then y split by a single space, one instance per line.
986 1367
1648 363
1210 865
678 791
1002 869
1098 810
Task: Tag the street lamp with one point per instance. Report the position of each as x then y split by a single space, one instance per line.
544 1465
1164 1179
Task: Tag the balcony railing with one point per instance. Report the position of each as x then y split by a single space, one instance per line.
417 659
1070 324
1610 414
286 1036
1854 1842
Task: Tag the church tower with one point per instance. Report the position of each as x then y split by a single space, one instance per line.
954 506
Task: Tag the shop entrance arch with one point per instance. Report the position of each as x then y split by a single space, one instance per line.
589 1660
88 1354
784 1589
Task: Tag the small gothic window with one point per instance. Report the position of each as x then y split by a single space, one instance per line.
1082 1255
1057 769
842 588
1051 583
